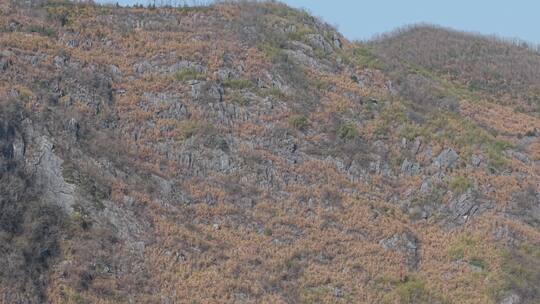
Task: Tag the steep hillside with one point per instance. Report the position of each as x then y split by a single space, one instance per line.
246 152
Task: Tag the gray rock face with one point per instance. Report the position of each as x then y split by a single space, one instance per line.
225 74
318 41
207 91
447 159
424 203
73 128
506 236
511 299
271 80
301 47
525 206
404 142
418 212
167 64
128 225
60 61
476 160
7 135
142 67
14 25
164 105
410 168
460 210
18 148
116 73
303 59
185 64
406 244
199 164
89 85
336 40
47 168
72 43
426 186
226 113
416 146
522 157
4 63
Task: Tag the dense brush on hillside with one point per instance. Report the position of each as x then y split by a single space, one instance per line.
502 72
246 152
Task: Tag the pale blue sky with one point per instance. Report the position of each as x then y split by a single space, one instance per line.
361 19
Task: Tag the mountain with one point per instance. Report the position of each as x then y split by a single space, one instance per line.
246 152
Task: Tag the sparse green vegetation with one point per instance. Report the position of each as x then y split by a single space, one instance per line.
271 51
413 291
320 294
465 243
43 30
494 151
187 9
456 252
299 122
69 174
71 296
299 33
313 294
532 98
238 84
191 128
272 92
320 53
390 117
478 262
189 74
88 185
430 200
459 184
62 11
461 133
363 58
78 222
239 99
520 274
347 131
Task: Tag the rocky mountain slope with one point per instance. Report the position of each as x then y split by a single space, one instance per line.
248 153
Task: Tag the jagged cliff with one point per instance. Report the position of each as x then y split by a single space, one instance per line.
248 153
